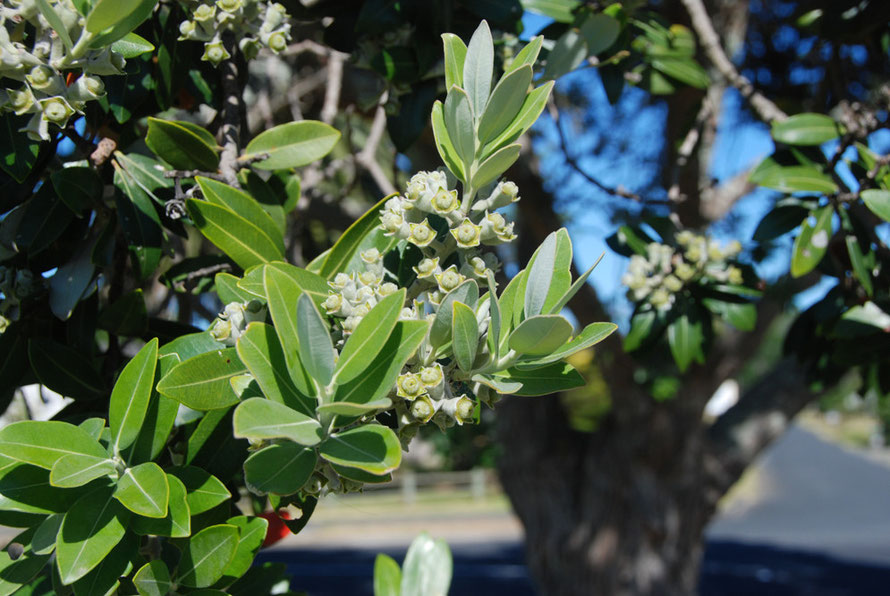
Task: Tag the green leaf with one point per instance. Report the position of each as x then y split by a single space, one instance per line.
812 242
590 336
478 69
345 408
55 21
316 348
144 490
599 31
105 577
260 419
132 45
380 376
568 53
465 335
18 153
292 145
177 523
878 201
459 119
558 10
505 102
78 187
204 490
121 16
527 55
130 397
531 108
243 205
511 301
494 323
798 179
499 384
252 533
183 145
44 540
496 164
553 378
741 315
371 447
260 350
540 335
70 282
387 576
26 489
455 54
207 554
42 443
686 339
365 342
245 243
428 567
540 274
91 529
806 129
779 221
227 289
305 281
140 223
280 469
75 469
444 145
202 382
351 241
152 579
146 172
15 573
64 369
158 421
685 70
125 316
561 303
283 293
440 331
860 268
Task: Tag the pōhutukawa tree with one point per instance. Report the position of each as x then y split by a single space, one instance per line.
311 380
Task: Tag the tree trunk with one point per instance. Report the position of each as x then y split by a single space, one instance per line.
617 511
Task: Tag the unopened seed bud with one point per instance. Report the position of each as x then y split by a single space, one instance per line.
431 376
422 234
427 267
467 234
215 53
409 386
229 5
445 201
422 409
735 276
449 279
277 42
386 289
391 222
672 284
370 256
203 14
56 110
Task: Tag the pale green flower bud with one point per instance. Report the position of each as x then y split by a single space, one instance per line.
445 201
694 253
460 409
204 14
427 268
56 110
661 299
684 271
277 42
187 30
340 281
735 276
733 249
250 47
370 278
274 17
449 279
332 304
409 386
362 309
431 376
371 256
422 409
86 88
422 234
476 267
4 324
436 297
714 252
221 331
44 78
467 234
391 222
22 101
685 238
350 323
672 284
215 52
37 128
386 289
230 5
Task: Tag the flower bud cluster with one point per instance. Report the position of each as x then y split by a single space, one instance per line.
257 24
16 286
353 296
46 79
665 270
428 396
231 323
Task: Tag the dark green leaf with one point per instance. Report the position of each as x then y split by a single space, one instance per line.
686 338
552 378
207 554
91 529
204 491
812 242
806 129
245 243
280 469
183 145
202 382
64 369
130 396
292 145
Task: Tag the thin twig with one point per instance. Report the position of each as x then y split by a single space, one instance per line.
332 87
192 173
701 22
687 147
618 191
230 133
367 157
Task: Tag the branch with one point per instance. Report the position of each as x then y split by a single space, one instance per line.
762 414
367 157
701 22
230 132
687 147
618 191
717 202
333 87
